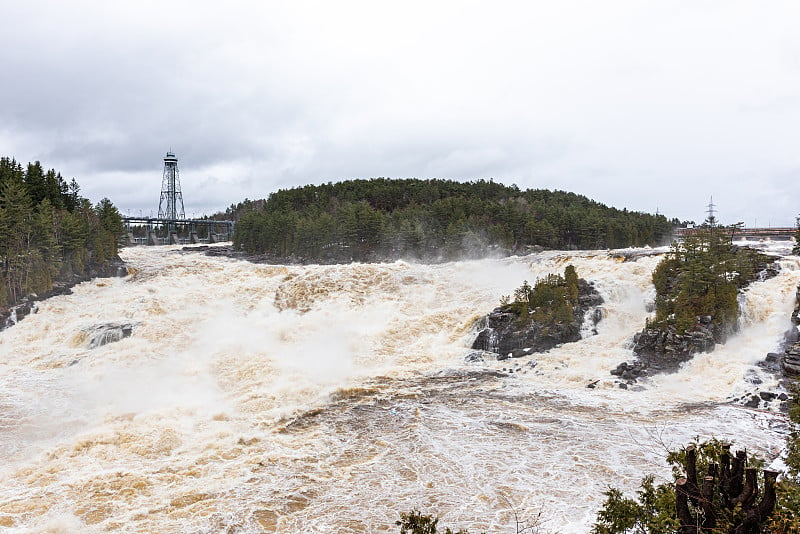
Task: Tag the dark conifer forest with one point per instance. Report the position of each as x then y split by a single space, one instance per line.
49 232
384 219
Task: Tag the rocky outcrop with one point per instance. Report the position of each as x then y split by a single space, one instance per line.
791 360
506 334
791 356
103 334
664 350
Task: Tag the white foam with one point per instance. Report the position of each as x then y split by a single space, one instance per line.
189 424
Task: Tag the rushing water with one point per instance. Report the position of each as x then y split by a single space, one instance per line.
254 398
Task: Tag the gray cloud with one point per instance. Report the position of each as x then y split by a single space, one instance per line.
644 106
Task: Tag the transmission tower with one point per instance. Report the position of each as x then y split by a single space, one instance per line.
171 204
711 219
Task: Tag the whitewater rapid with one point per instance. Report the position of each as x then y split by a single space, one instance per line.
257 398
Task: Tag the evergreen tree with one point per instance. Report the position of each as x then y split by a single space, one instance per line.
16 248
47 230
442 219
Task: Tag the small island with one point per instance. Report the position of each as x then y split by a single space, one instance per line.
542 316
697 300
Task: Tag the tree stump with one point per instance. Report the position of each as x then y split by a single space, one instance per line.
728 489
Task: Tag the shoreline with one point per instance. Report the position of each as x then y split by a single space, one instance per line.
12 314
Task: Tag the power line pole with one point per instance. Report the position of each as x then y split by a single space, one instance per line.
711 219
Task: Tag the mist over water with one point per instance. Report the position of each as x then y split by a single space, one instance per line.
253 398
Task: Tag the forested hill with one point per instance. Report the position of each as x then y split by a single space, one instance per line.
384 219
48 232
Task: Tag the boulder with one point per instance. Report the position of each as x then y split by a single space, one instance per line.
103 334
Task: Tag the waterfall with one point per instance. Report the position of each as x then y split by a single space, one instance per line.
332 398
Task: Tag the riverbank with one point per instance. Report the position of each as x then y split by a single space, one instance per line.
14 313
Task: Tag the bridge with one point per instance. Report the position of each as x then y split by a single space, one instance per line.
171 227
781 233
164 231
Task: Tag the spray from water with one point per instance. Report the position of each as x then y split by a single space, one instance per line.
330 398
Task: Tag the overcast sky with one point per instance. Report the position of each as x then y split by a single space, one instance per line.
646 105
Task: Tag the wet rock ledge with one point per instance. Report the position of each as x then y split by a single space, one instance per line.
791 355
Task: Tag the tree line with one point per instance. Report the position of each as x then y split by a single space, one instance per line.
48 231
380 219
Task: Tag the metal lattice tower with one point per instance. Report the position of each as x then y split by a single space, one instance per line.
712 219
171 204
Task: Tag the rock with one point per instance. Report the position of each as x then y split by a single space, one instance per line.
772 363
504 333
479 356
791 360
767 395
753 402
667 350
630 371
753 379
474 357
103 334
116 268
599 314
791 356
662 349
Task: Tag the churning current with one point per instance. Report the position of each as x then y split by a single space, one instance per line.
328 399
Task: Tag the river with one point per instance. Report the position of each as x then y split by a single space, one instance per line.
257 398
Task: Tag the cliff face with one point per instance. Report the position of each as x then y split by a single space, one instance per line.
664 349
508 334
791 356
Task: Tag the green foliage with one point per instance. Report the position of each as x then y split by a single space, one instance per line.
381 218
787 511
47 230
708 452
786 518
651 513
793 442
416 523
701 276
550 299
